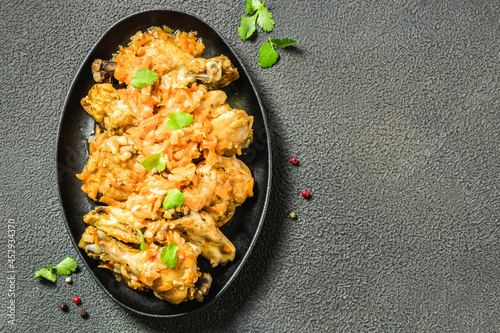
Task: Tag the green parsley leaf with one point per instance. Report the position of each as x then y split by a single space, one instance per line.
247 26
142 77
46 274
169 255
265 19
252 6
174 198
262 15
268 55
66 266
282 43
143 241
154 161
178 120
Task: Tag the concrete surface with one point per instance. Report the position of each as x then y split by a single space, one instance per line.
392 108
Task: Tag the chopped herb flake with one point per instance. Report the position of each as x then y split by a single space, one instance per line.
143 77
178 120
174 198
169 255
155 161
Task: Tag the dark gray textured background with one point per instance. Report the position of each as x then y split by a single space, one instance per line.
391 107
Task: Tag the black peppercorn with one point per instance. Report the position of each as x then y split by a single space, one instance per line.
83 313
63 306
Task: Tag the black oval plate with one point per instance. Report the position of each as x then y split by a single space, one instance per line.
76 125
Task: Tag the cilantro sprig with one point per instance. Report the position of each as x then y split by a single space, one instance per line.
169 255
178 120
143 77
154 161
261 15
268 55
143 241
65 267
282 43
46 274
174 198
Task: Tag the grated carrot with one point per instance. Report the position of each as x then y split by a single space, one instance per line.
83 175
95 236
93 191
217 208
109 201
223 191
164 287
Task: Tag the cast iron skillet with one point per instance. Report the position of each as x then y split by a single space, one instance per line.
76 125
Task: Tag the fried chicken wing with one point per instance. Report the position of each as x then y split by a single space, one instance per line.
116 222
232 127
220 188
197 228
116 109
146 269
113 169
200 229
235 128
234 174
163 53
